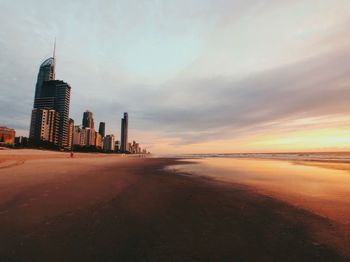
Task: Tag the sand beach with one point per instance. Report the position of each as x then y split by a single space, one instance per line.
99 207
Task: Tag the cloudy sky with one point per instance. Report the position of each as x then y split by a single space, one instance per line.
194 75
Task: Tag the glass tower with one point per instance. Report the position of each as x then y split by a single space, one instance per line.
124 134
46 73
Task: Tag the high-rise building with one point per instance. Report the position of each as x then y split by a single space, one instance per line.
109 143
44 126
54 95
50 115
88 120
102 129
124 134
90 136
85 135
79 136
70 132
98 140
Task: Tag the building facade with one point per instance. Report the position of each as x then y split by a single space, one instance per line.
44 125
88 120
54 96
109 143
7 136
102 129
117 146
134 148
70 132
98 141
46 73
79 136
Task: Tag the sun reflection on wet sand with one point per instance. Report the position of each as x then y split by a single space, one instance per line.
322 190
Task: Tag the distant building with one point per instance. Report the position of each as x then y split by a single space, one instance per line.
91 136
79 136
134 148
102 129
124 134
7 136
109 143
21 141
117 146
98 141
88 120
70 132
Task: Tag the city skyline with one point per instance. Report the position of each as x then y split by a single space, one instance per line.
52 127
210 79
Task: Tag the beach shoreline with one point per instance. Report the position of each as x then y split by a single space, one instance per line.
111 207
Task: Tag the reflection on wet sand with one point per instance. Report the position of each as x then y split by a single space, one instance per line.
322 188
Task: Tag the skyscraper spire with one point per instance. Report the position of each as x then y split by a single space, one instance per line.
54 60
54 50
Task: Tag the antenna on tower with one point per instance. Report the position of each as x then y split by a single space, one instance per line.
54 61
54 50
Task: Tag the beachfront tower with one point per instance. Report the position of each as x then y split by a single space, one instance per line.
88 120
124 134
50 114
102 129
55 95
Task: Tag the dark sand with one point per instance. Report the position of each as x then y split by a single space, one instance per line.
129 209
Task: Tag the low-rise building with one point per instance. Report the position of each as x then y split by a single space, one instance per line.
21 141
7 136
109 143
117 146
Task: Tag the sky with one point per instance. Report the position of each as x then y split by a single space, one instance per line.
195 76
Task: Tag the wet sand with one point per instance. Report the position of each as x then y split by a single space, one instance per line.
112 208
322 188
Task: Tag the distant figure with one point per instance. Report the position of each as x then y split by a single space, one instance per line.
71 154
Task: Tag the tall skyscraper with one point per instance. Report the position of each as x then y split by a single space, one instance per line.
88 120
124 134
50 115
102 129
54 95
